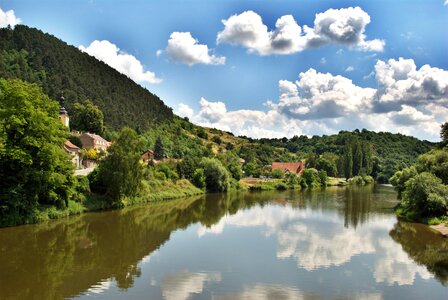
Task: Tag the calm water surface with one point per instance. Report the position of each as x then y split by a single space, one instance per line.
334 244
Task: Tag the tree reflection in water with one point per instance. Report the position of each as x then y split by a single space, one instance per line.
424 247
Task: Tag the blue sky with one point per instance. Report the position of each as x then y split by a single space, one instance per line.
269 68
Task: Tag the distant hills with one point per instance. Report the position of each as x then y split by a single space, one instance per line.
31 55
37 57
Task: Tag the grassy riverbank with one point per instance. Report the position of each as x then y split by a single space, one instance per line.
154 191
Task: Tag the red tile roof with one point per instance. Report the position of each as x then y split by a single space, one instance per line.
296 167
70 147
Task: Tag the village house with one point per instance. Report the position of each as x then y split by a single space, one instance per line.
286 167
93 141
75 154
147 156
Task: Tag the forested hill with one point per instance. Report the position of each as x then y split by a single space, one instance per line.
37 57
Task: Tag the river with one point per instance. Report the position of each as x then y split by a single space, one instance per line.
339 243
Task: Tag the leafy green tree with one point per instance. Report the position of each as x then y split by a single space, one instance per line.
444 133
216 176
252 169
348 161
34 169
199 178
86 116
435 162
401 177
159 149
328 166
357 158
121 171
293 179
425 196
310 177
232 163
187 167
323 177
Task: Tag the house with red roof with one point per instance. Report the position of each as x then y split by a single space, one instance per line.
288 167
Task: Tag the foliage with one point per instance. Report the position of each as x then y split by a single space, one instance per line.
425 195
37 57
187 166
252 169
169 169
292 179
34 168
356 180
277 174
199 178
91 154
75 140
121 171
310 178
86 116
435 162
327 165
159 149
401 177
444 133
216 176
323 177
231 162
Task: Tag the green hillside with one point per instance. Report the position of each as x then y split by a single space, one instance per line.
31 55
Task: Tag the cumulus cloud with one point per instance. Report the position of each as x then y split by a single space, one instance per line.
183 110
410 101
183 48
8 18
182 285
402 83
345 26
124 63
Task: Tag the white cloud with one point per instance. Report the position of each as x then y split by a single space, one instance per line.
323 60
8 18
403 83
122 62
445 3
183 48
182 285
345 26
184 110
349 69
265 292
322 103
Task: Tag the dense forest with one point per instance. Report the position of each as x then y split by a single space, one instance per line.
36 57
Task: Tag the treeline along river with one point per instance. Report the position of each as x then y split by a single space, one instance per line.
334 243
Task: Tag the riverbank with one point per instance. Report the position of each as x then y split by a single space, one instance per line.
156 191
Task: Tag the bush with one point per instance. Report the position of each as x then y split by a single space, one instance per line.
216 176
425 195
368 179
281 186
310 178
199 178
322 177
277 174
357 180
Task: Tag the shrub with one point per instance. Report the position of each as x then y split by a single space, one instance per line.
322 177
357 180
311 178
277 174
216 176
199 178
425 195
281 186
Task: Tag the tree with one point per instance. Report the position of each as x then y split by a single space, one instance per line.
328 166
34 169
444 133
425 196
199 178
348 161
159 149
88 117
357 158
121 171
216 176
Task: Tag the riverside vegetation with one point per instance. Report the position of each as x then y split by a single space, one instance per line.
38 181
